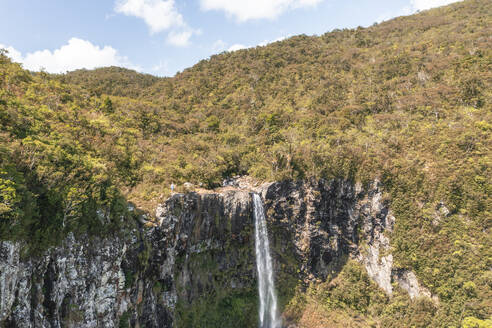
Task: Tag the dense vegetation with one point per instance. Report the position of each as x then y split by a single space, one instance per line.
408 101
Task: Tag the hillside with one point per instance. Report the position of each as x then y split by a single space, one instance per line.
407 102
115 81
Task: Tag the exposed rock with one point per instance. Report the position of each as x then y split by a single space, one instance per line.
408 281
313 221
203 245
441 211
75 282
376 220
10 273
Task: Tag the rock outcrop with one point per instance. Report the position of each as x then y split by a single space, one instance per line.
200 258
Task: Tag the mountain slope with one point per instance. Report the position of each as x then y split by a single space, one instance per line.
407 101
114 81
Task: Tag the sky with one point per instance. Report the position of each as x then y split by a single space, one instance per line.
162 37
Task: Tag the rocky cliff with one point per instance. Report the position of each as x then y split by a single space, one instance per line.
196 266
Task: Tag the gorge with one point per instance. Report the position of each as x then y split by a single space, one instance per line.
196 268
339 180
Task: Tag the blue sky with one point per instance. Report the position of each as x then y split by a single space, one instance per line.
162 37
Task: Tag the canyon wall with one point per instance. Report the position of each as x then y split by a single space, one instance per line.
196 265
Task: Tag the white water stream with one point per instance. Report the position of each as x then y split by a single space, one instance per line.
268 312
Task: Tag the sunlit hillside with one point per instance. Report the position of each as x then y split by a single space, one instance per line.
407 102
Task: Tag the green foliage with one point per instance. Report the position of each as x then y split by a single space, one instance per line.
129 278
53 179
107 105
352 289
213 123
353 293
471 322
402 312
407 101
115 81
125 320
236 309
8 194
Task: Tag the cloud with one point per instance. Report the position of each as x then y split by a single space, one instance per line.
236 47
180 39
239 46
15 55
162 68
427 4
407 10
266 42
415 5
159 15
219 45
255 9
76 54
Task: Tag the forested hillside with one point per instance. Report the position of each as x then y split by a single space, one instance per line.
407 102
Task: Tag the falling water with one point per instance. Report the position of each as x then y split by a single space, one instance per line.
268 312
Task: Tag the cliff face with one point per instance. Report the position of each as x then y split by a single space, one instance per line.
198 264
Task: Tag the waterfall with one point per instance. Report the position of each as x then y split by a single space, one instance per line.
268 311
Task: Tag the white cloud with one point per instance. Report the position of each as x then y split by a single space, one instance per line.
180 39
255 9
236 47
239 46
15 55
407 10
161 69
427 4
76 54
266 42
159 15
219 45
414 6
